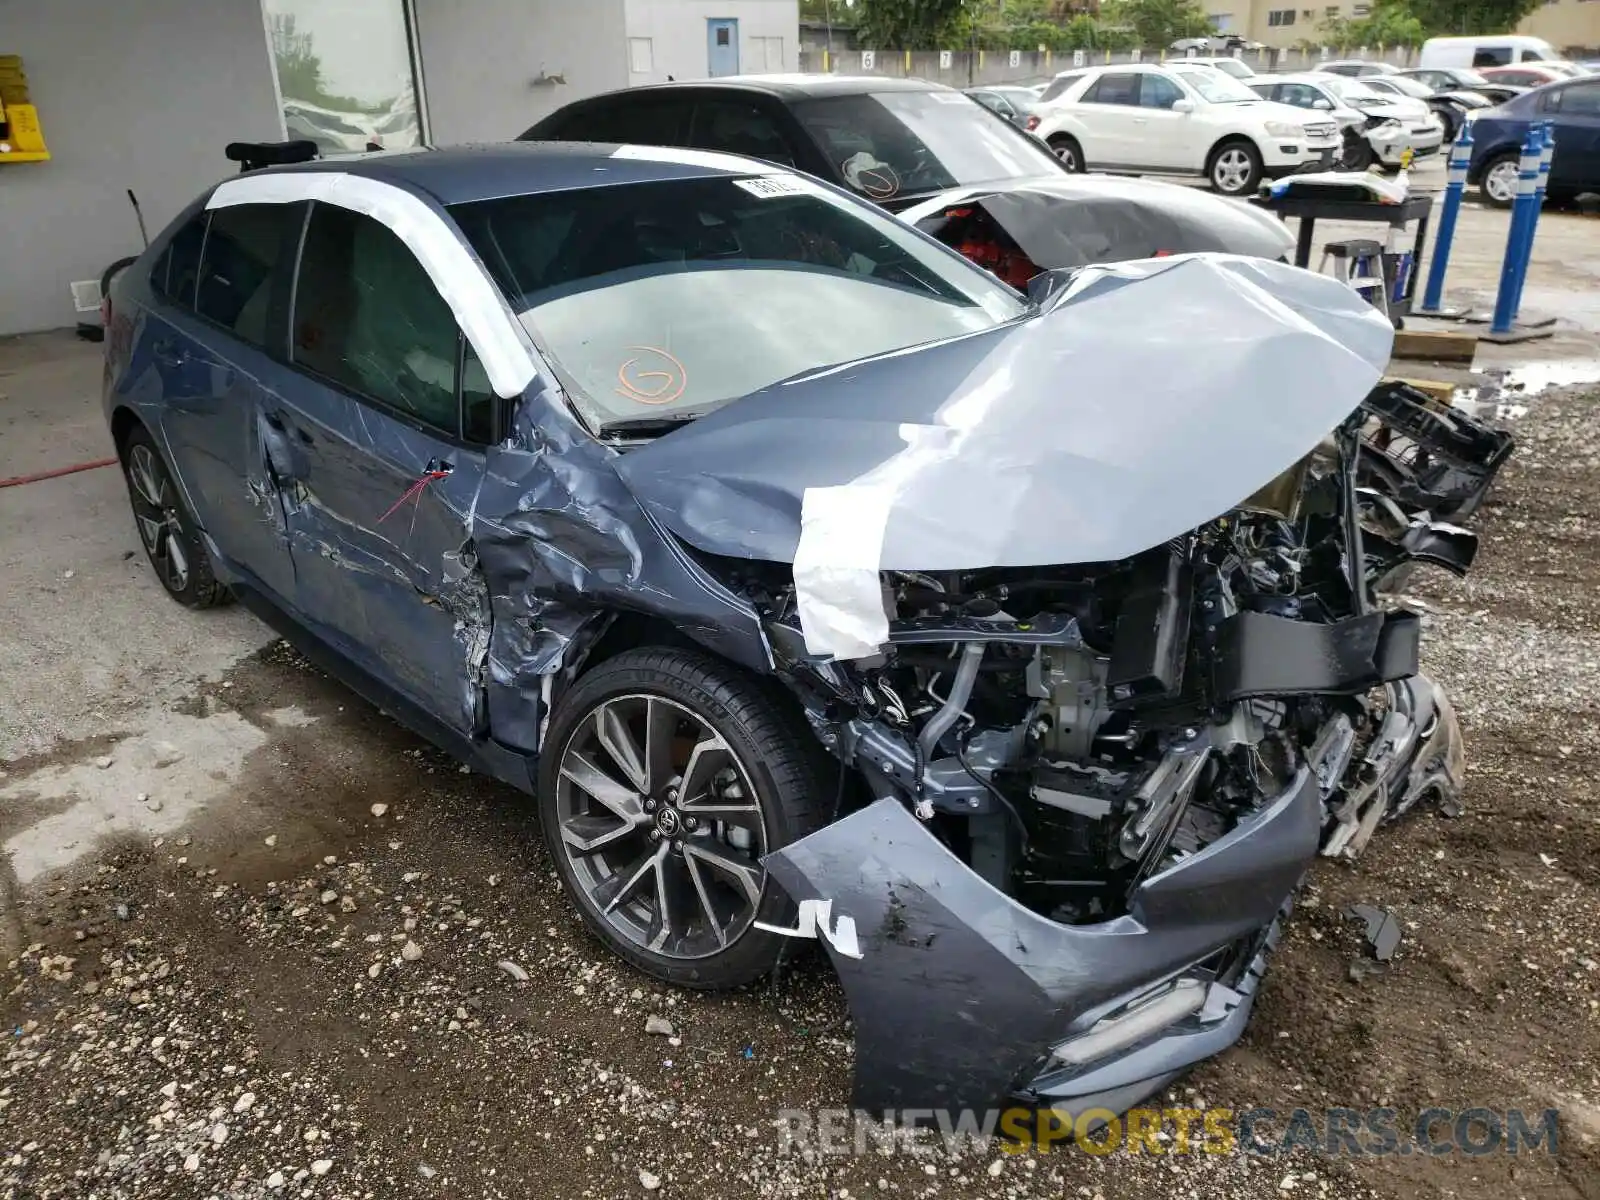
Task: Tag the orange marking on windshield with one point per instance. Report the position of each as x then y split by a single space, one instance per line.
663 383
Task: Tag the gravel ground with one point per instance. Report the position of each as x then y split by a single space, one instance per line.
356 977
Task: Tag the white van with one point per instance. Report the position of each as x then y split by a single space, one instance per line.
1501 51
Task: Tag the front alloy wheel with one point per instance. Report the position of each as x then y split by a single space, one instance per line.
669 777
170 537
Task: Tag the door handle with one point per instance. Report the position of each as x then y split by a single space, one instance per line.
169 354
273 420
439 466
1141 120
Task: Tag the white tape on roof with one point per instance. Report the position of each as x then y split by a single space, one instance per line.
481 311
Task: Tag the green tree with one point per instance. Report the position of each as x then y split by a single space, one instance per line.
1470 16
1156 23
1391 23
914 24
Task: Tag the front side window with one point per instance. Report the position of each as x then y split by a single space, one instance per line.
1301 95
890 144
1157 92
242 250
367 318
666 300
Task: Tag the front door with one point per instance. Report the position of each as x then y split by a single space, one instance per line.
722 52
390 461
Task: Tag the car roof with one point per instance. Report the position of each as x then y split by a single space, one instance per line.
462 174
791 87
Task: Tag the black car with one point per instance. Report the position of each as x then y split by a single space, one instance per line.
1462 79
907 144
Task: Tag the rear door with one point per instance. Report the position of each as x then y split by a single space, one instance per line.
389 416
1109 113
226 288
1576 111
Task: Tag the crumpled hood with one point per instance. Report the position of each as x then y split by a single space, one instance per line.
1146 399
1077 220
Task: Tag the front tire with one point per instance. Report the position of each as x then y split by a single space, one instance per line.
167 530
1235 168
1358 154
667 775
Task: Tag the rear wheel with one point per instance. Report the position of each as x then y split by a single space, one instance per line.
1499 182
1235 168
1068 152
667 776
170 536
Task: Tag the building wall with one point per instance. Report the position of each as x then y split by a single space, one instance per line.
482 62
1567 25
675 31
140 96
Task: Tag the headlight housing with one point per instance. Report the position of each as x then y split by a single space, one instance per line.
1284 129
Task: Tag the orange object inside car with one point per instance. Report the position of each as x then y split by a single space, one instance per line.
973 234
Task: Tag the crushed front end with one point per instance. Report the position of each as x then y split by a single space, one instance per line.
1090 792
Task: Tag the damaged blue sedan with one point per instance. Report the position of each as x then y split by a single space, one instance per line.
1024 650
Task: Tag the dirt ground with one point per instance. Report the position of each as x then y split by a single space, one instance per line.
258 941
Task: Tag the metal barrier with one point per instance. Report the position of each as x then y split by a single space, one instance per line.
1444 239
1519 242
1547 154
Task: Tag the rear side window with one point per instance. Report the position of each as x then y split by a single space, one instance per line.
368 318
243 248
176 270
1059 85
646 119
1581 100
1491 56
737 126
1115 88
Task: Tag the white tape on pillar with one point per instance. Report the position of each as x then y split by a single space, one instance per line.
480 309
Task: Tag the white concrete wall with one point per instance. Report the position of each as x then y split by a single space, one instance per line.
676 30
480 61
140 96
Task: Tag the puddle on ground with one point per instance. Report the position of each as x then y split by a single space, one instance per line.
151 783
1498 395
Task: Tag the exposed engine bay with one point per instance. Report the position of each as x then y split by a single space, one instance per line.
1072 732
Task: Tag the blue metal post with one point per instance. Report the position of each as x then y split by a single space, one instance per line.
1527 181
1546 157
1460 158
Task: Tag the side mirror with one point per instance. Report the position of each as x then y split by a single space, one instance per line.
1324 105
1183 106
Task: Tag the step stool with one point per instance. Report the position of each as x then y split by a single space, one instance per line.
1358 262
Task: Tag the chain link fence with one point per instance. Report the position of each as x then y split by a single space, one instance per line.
962 68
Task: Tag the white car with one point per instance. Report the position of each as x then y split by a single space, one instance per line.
1179 119
1369 137
1424 126
1236 67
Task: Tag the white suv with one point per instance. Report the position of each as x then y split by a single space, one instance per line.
1181 120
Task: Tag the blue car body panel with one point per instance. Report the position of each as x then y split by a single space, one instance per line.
1502 130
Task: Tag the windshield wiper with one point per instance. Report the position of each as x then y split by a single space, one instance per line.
636 426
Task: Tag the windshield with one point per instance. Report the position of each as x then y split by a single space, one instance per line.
666 300
1214 86
889 144
1232 66
1414 88
1353 91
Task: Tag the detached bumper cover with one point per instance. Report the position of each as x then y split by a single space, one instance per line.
960 993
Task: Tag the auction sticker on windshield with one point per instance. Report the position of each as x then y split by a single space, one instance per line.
770 187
